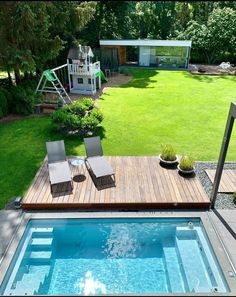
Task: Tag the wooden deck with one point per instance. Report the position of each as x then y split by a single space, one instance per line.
228 180
140 183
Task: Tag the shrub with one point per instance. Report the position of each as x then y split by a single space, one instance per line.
81 107
234 197
64 119
80 117
59 116
168 153
89 124
4 107
77 108
97 114
30 82
9 98
186 163
89 103
23 100
19 99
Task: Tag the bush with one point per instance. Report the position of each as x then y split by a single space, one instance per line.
89 103
89 124
9 98
80 117
4 107
19 99
234 197
168 153
23 100
97 114
186 163
30 82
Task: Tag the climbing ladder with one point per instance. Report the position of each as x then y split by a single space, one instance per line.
49 75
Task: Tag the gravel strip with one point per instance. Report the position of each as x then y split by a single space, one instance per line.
223 201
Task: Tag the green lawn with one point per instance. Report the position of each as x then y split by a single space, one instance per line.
22 149
155 107
174 107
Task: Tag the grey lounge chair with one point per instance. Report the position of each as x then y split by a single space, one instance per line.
58 165
95 159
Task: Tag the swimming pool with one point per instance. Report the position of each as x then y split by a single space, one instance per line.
114 256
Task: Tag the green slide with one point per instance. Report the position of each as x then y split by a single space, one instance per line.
49 75
101 74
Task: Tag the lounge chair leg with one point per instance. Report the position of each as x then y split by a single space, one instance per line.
72 186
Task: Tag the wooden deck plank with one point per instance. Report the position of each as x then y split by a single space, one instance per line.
159 185
140 182
36 183
39 185
228 180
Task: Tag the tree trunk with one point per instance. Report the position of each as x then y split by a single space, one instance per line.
26 75
100 19
211 58
9 77
17 74
38 71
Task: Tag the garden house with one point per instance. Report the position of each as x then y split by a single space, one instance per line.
153 53
84 75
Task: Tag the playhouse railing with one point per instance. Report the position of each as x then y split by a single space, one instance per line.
84 70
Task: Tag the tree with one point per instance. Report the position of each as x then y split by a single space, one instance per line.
216 39
165 16
143 19
25 40
110 21
29 31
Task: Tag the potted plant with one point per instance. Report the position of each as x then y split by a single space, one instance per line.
186 165
168 155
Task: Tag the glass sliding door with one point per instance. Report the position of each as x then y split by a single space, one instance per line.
169 56
144 56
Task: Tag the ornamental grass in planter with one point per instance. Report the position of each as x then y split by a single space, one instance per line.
168 155
186 165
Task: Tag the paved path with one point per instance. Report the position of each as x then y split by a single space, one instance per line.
225 223
9 220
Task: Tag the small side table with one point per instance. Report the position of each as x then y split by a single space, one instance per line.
75 162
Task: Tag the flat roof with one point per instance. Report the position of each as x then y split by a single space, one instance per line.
146 42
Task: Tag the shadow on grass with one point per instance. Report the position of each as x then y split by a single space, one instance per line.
207 78
141 78
73 141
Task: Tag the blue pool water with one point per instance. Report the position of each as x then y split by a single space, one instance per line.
113 256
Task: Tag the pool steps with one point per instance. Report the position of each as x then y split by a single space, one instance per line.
173 267
41 242
189 256
38 253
